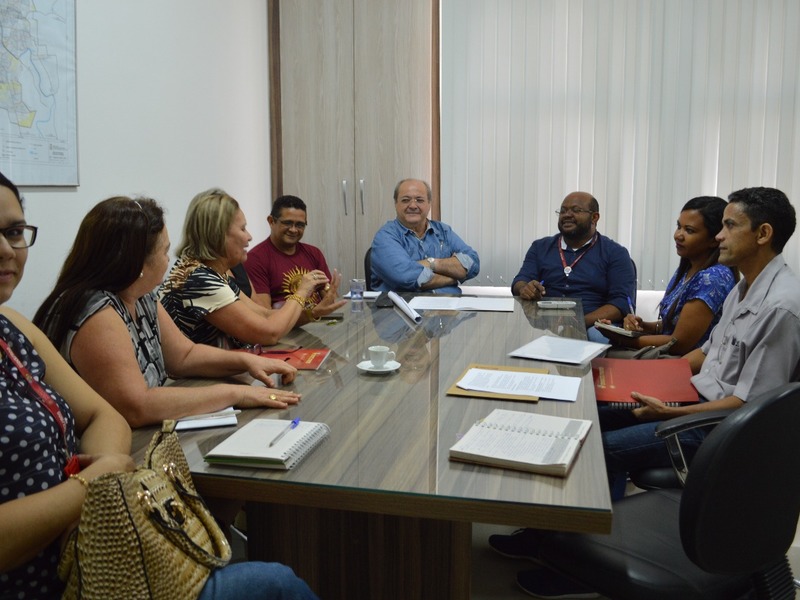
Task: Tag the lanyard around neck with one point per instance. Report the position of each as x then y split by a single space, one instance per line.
48 402
568 268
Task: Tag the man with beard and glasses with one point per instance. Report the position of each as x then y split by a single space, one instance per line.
580 263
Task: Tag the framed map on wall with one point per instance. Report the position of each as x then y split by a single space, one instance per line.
38 108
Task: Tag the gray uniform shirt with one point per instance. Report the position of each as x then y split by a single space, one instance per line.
755 347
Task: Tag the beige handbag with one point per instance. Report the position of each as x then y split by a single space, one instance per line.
144 534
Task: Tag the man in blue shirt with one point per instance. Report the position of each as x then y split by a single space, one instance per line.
580 263
413 253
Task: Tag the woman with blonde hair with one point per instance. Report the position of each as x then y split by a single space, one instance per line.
104 317
202 297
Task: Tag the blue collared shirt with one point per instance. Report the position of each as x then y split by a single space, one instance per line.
603 275
396 250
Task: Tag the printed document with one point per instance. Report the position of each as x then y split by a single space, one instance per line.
552 387
558 349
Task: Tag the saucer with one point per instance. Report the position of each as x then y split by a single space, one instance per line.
368 367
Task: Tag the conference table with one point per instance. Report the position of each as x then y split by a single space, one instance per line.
378 510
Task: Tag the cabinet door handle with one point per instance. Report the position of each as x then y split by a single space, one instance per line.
344 195
361 191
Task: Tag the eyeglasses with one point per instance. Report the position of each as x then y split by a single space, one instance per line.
296 224
20 236
574 210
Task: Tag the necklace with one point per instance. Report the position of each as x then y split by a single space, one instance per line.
569 267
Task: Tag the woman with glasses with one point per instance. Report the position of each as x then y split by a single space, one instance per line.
57 433
203 298
106 320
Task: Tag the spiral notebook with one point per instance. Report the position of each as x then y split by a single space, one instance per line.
250 445
669 380
523 441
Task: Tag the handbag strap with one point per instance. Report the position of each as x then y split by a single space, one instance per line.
72 466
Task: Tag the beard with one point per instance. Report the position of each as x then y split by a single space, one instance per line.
579 233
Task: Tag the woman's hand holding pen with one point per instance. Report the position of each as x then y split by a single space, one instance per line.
632 323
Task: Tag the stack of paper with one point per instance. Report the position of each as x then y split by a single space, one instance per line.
221 418
520 383
558 349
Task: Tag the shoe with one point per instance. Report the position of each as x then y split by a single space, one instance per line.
523 543
544 583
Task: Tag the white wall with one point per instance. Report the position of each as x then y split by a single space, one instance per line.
172 99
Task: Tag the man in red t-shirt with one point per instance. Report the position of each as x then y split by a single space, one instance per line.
276 265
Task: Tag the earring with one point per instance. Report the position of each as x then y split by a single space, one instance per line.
141 274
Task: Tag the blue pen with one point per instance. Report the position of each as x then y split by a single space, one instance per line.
630 306
289 427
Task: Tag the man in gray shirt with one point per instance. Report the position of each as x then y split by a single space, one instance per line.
754 348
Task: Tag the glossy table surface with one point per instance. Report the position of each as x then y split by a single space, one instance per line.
390 433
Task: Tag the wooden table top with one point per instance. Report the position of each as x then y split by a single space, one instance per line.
391 433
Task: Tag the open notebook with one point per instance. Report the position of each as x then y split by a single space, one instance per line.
523 441
250 445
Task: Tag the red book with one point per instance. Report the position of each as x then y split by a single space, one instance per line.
300 358
668 379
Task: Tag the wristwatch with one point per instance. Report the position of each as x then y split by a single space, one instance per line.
431 262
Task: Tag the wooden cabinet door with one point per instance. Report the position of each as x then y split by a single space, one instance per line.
355 114
316 119
393 104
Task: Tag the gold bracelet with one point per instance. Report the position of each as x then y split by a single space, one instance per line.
310 314
298 299
81 479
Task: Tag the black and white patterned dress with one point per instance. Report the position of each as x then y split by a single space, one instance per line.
191 291
144 331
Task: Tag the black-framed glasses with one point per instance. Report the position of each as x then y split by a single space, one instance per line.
20 236
574 210
296 224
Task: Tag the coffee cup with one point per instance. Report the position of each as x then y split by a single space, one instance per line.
380 355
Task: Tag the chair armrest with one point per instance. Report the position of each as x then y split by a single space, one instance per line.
687 422
669 430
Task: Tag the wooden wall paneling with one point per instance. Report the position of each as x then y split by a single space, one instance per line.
355 113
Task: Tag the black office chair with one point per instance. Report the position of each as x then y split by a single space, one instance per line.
368 269
724 536
659 478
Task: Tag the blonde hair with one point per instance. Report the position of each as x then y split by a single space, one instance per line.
208 219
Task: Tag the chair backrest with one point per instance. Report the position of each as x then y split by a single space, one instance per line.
368 269
741 502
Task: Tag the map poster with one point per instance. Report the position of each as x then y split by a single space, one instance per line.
38 108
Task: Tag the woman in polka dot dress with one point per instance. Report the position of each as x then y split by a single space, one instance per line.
56 433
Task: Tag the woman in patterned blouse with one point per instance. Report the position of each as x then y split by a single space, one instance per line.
104 317
693 301
202 297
